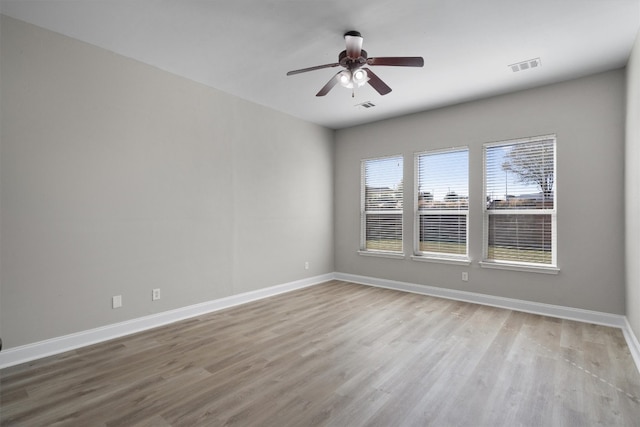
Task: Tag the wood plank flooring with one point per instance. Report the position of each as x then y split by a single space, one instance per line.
337 354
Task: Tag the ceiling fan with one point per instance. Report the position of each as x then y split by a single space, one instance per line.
354 75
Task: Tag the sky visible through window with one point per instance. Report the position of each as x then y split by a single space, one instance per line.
438 169
444 173
385 172
501 183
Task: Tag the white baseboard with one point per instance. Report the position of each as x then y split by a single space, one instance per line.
26 353
37 350
632 343
569 313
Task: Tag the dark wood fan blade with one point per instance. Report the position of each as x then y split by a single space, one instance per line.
317 67
398 61
375 82
330 84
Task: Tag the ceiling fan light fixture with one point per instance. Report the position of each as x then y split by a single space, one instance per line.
352 79
345 78
360 77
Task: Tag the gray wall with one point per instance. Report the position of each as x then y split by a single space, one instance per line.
587 115
632 189
118 178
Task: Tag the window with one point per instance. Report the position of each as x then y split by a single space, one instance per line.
520 203
381 206
442 204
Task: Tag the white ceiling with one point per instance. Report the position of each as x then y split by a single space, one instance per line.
245 47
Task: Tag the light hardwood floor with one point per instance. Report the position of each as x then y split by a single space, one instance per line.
338 354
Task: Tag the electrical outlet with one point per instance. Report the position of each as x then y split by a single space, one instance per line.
306 265
155 294
465 276
116 301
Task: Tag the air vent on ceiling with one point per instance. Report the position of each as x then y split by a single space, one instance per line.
525 65
367 104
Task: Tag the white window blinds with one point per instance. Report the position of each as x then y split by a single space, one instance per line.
442 203
520 194
381 204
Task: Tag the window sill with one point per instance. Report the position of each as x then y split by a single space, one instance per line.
382 254
442 260
519 267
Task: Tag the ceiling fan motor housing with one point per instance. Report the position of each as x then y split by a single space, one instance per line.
352 63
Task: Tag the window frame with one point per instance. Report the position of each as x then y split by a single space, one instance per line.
419 255
363 212
487 262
